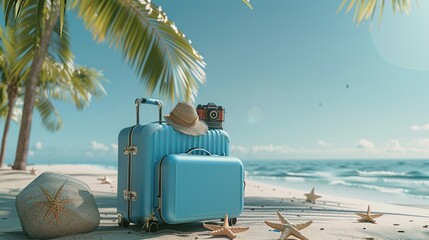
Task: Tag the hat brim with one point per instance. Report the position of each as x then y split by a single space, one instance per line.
199 128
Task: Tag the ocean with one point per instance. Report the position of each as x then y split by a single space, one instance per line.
404 182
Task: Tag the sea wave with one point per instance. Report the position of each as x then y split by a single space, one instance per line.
370 187
405 178
340 182
421 183
359 179
380 173
407 182
288 174
312 174
288 179
418 196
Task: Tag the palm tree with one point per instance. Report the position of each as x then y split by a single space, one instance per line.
76 86
160 54
365 9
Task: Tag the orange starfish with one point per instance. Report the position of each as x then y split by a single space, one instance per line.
54 205
224 230
33 171
311 197
368 217
287 228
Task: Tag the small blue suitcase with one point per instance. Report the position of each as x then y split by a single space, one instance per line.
159 182
199 187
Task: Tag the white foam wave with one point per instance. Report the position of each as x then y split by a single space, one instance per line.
420 183
313 174
339 182
419 196
385 189
361 179
288 179
370 187
380 173
407 183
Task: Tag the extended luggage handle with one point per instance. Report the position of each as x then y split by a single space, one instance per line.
156 102
190 151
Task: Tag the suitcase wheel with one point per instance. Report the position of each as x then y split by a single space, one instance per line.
231 221
152 227
122 222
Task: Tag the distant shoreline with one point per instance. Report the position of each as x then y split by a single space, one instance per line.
295 182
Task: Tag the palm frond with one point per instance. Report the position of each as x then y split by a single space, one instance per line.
2 56
17 110
3 99
247 2
90 79
26 32
13 10
60 48
63 9
1 40
86 83
51 119
2 68
77 85
8 56
53 73
41 17
151 43
365 9
3 111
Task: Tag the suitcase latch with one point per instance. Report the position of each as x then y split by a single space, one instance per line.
130 150
130 195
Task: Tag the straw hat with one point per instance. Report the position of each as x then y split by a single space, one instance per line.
184 118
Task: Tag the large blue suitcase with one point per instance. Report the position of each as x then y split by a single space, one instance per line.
147 152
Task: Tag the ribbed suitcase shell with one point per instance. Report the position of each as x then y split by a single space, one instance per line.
138 173
195 188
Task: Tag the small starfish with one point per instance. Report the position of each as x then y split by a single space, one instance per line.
33 171
225 230
105 180
368 217
287 228
311 197
54 205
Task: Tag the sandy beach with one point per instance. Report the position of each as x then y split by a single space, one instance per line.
333 217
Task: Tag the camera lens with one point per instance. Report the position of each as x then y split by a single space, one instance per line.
213 115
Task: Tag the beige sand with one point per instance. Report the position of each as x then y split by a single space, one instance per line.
333 217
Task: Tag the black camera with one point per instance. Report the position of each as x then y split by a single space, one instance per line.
212 114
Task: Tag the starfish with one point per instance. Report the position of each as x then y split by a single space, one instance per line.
311 197
54 205
287 228
225 230
368 217
33 171
105 180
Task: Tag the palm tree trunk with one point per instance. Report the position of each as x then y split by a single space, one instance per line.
11 104
30 91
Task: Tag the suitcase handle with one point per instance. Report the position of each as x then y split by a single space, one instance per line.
156 102
190 151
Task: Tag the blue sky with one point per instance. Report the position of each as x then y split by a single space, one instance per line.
281 71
